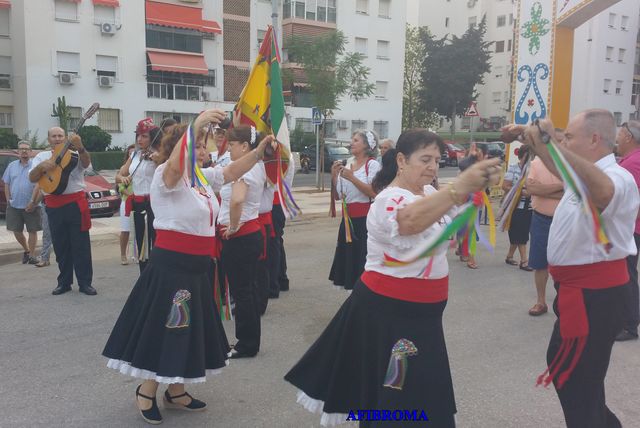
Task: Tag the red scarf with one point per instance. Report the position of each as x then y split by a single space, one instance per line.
574 324
57 201
128 205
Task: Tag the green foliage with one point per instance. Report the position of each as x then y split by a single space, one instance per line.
63 113
451 70
107 160
8 140
94 138
300 140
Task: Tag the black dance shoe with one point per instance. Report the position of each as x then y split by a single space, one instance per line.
151 415
194 406
88 290
60 290
234 354
625 335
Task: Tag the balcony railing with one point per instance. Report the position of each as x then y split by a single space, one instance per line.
170 91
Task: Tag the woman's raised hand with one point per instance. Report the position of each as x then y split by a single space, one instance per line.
268 141
478 176
214 115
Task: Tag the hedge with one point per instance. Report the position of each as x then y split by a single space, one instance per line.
107 160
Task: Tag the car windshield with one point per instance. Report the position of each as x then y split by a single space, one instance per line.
335 150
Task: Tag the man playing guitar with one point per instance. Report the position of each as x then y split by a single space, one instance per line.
69 216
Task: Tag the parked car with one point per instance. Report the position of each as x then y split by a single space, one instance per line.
494 149
444 159
455 152
332 152
103 199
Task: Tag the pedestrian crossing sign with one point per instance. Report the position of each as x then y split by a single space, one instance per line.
316 116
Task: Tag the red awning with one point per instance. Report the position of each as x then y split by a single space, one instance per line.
178 62
171 15
5 4
110 3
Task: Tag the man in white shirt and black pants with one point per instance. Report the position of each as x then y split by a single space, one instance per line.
69 216
590 280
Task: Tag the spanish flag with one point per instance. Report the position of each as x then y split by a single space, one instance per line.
261 104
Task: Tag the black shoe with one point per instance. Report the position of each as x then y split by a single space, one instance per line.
25 258
274 296
151 415
33 261
60 290
625 335
234 354
88 290
194 406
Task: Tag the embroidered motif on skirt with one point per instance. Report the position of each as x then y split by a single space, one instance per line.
398 364
179 317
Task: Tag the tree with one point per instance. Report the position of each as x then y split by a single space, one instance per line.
94 138
452 69
8 140
63 113
331 73
414 54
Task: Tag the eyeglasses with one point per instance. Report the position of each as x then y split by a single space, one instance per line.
24 150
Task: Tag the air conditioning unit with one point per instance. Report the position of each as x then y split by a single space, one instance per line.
106 81
205 96
342 124
471 3
106 28
66 78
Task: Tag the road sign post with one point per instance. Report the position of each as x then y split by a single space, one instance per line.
472 112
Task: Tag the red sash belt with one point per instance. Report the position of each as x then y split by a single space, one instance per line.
408 289
128 206
574 323
265 220
185 243
247 228
358 209
57 201
276 199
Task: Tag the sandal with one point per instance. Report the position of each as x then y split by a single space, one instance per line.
124 261
464 258
42 263
510 261
151 415
193 406
525 266
538 309
472 265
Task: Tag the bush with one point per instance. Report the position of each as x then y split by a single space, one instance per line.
107 160
8 140
94 138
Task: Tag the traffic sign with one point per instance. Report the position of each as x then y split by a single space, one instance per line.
316 116
472 111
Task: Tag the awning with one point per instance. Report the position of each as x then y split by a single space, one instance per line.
5 4
178 62
109 3
171 15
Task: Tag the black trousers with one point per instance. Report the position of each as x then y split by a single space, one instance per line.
263 279
278 280
240 261
72 246
583 397
142 214
632 302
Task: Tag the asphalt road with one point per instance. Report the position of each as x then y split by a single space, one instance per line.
53 374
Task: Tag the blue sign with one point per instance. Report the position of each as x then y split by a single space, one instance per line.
316 116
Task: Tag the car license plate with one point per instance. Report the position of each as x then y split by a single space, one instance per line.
96 205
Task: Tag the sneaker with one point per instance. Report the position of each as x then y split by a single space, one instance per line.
33 261
42 263
25 258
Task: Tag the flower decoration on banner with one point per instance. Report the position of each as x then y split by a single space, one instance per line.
531 102
535 28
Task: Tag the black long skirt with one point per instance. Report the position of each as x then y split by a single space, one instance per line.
356 364
169 329
350 258
520 225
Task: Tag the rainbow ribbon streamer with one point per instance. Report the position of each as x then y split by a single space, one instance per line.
288 204
512 199
570 177
464 226
348 224
189 148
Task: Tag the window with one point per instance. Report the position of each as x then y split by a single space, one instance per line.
68 62
311 10
211 79
362 7
286 9
500 46
104 14
381 128
502 20
496 97
446 22
330 128
109 119
381 89
383 49
506 97
321 10
609 53
361 45
473 21
4 23
331 11
621 54
299 9
384 8
174 39
511 19
75 114
358 124
624 22
499 70
619 87
5 72
261 34
106 65
66 10
635 93
612 20
607 86
6 120
159 116
618 117
306 124
509 45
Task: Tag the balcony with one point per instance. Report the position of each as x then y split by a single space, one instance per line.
171 91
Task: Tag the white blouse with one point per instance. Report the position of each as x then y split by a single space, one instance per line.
364 174
256 180
266 200
144 174
224 160
183 208
384 238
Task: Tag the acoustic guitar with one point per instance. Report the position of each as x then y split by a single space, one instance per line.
55 181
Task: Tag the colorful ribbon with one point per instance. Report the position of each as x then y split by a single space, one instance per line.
512 198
